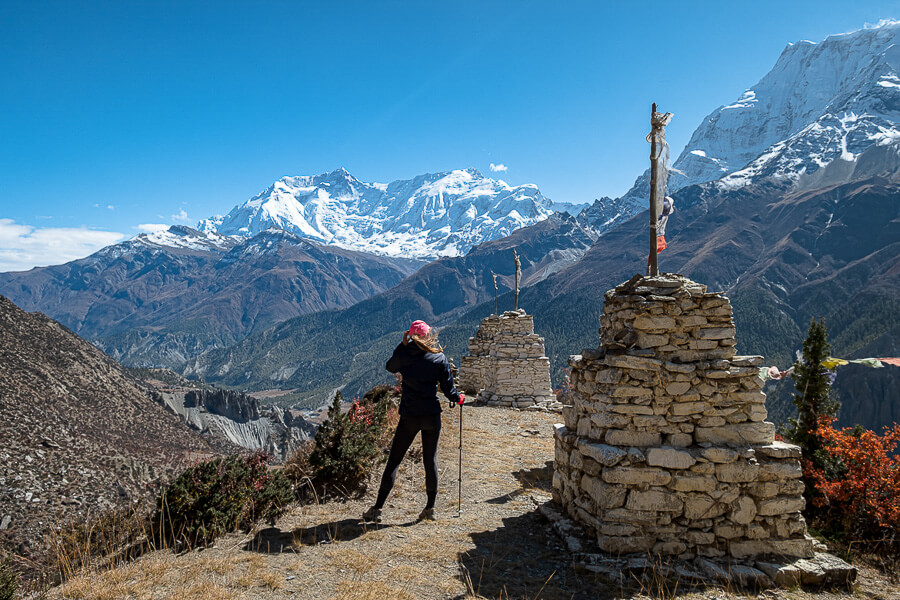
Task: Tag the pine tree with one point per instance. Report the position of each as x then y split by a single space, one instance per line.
813 394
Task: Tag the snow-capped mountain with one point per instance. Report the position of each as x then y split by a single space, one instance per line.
432 215
819 103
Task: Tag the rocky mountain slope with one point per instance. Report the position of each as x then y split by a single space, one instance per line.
820 103
161 298
78 434
235 419
429 216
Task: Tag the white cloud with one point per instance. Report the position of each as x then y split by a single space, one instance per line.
152 227
500 167
182 216
23 246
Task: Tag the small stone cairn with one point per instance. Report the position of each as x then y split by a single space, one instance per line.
506 365
665 448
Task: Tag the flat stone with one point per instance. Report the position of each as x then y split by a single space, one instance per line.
715 333
679 368
811 573
737 472
739 434
781 505
678 388
636 476
713 570
618 437
654 500
693 484
800 548
748 361
837 571
605 495
626 361
607 420
702 506
648 323
748 577
669 458
628 391
785 576
719 455
780 471
779 449
607 456
4 524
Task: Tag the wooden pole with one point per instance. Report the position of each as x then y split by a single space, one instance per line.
654 165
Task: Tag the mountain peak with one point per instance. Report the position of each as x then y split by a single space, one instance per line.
431 215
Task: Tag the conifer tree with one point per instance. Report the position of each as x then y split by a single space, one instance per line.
813 394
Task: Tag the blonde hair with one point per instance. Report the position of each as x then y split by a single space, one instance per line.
428 342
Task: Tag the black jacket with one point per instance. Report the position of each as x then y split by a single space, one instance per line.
422 373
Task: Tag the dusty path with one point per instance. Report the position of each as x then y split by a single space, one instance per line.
499 547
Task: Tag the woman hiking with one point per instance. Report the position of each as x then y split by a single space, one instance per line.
421 361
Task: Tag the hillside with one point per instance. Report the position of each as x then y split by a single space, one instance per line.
162 298
79 435
499 547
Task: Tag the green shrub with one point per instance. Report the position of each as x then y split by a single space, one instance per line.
349 445
219 496
9 583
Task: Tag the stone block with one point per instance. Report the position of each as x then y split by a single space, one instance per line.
715 333
669 458
719 455
654 323
748 577
780 471
693 484
604 454
668 548
689 408
678 388
801 548
654 501
737 472
627 391
743 511
636 476
779 449
617 437
610 420
702 506
783 575
781 505
605 495
741 434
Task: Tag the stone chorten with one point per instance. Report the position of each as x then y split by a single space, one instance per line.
506 365
665 448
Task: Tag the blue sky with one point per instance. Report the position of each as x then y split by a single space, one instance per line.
119 114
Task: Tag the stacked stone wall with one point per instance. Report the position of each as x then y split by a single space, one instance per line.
665 447
506 364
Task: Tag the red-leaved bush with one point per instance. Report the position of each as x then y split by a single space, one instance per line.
863 496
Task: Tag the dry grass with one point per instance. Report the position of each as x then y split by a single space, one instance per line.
346 558
370 590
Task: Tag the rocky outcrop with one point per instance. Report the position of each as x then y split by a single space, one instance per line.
506 365
237 419
665 448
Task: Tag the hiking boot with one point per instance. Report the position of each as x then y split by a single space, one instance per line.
373 515
427 514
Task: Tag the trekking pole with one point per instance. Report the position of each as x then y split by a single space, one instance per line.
459 506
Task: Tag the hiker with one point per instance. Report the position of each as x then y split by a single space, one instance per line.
421 361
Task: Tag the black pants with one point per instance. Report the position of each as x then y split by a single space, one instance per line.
407 428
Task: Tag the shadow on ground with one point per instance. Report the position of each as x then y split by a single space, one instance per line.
273 540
